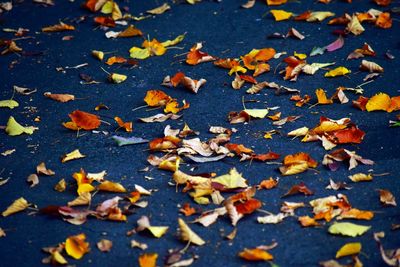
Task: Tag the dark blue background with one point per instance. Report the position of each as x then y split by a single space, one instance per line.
226 30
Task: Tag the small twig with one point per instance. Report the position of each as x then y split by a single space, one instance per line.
106 122
140 107
381 174
176 47
178 55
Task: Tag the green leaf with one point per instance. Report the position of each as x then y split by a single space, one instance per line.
348 229
8 104
14 128
177 40
107 7
317 51
139 53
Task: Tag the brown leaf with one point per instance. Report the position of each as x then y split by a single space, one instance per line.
104 245
297 189
41 169
33 179
58 28
60 97
386 197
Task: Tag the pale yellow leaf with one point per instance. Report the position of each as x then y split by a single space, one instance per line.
18 205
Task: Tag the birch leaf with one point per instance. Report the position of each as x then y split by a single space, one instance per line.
348 229
18 205
8 104
13 128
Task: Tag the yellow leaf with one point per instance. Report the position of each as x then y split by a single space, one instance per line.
348 249
18 205
148 260
139 53
281 14
361 177
268 135
321 96
298 132
300 56
231 180
8 104
177 40
380 101
187 234
155 47
111 187
117 78
202 200
320 16
83 199
276 2
339 71
294 168
58 258
237 69
76 154
107 7
98 54
257 113
76 247
159 10
14 128
158 231
61 186
348 229
170 165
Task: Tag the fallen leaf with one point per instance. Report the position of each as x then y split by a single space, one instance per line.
76 246
186 234
60 97
339 71
348 249
123 141
8 104
104 245
61 186
82 120
159 10
58 28
156 231
82 200
13 128
300 188
272 218
76 154
386 197
321 96
361 177
370 66
255 254
348 229
148 260
111 187
18 205
280 15
117 78
33 179
42 169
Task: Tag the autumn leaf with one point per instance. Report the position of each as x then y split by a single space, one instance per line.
156 98
384 20
130 31
276 2
82 120
280 15
104 245
187 210
58 28
76 246
268 184
307 221
98 54
42 169
348 249
111 187
18 205
348 229
255 254
370 66
300 188
8 104
156 231
195 56
159 10
13 128
339 71
76 154
126 125
148 260
187 234
387 198
112 60
321 96
60 97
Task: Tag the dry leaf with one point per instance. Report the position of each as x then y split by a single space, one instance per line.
370 66
58 28
148 260
76 246
386 197
255 254
18 205
186 234
104 245
60 97
83 199
33 179
159 10
348 249
61 186
76 154
41 169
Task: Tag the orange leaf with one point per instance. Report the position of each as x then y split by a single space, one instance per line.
303 16
177 79
299 158
187 209
130 32
321 96
384 21
276 2
255 254
156 98
126 125
195 56
113 60
266 156
134 197
60 97
167 142
307 221
58 28
83 120
249 206
76 247
349 135
268 184
148 260
105 21
238 148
